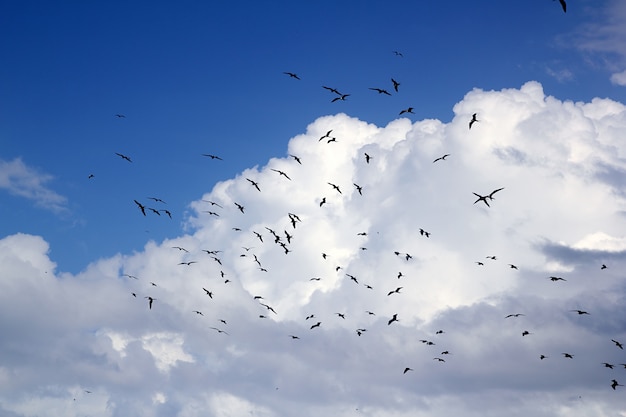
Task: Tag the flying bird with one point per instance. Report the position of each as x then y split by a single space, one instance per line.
240 207
482 198
474 120
441 158
254 183
341 98
564 7
615 384
297 159
358 188
209 293
120 116
150 300
336 187
407 370
392 319
407 110
367 157
618 344
292 75
318 324
141 207
554 279
397 53
381 91
212 156
281 173
580 312
395 84
514 315
123 156
333 90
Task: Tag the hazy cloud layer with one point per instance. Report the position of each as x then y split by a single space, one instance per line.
207 347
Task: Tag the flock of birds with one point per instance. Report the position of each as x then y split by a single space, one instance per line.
283 239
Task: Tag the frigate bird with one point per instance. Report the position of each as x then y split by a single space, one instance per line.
358 188
441 158
608 365
564 7
150 300
123 156
297 159
281 173
615 384
407 110
474 120
318 324
333 90
212 156
336 187
198 312
292 75
392 319
120 116
568 355
554 279
407 370
367 157
580 312
398 53
618 344
240 207
254 183
514 315
482 198
209 293
395 84
381 91
340 98
397 291
322 201
141 207
157 200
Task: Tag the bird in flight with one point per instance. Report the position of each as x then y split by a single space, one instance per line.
212 156
395 84
392 319
618 344
397 53
340 98
254 183
554 279
292 75
150 300
564 7
474 120
180 248
209 293
568 355
333 90
297 159
367 158
141 207
482 198
615 384
318 324
580 312
396 291
336 187
381 91
441 158
123 156
514 315
240 207
407 110
407 370
359 188
281 173
120 116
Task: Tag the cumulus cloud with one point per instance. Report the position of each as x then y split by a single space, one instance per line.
235 300
21 180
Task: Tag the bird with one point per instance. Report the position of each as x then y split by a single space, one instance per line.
367 157
564 7
542 357
294 337
397 290
407 370
187 263
514 315
323 201
441 158
512 266
297 159
212 156
157 200
254 183
198 312
395 84
554 279
333 90
482 198
615 384
608 365
493 192
150 300
424 233
397 53
358 188
240 207
407 110
180 248
474 120
318 324
141 207
335 187
392 319
342 315
123 156
603 266
90 176
618 344
568 355
209 293
381 91
341 98
439 359
580 312
526 333
120 116
281 173
218 330
292 75
169 214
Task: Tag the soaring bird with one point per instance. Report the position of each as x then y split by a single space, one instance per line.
564 6
514 315
332 90
323 201
381 91
209 293
580 312
397 53
281 173
318 324
212 156
141 207
240 207
297 159
341 98
614 384
395 84
198 312
397 291
336 187
358 188
554 279
407 370
482 198
493 192
407 110
367 157
568 355
157 200
392 319
123 156
608 365
618 344
254 183
120 116
441 158
474 120
150 300
292 75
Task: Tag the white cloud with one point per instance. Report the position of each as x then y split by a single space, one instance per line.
619 78
560 212
24 181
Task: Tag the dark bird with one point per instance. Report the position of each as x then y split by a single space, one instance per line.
526 333
254 183
608 365
281 173
474 120
493 192
120 116
292 75
318 324
557 279
269 308
381 91
150 300
512 266
141 207
618 344
335 187
341 98
331 140
209 293
218 330
392 319
323 201
294 337
359 332
169 214
407 370
213 203
439 332
397 53
514 315
397 291
492 257
424 233
240 207
157 200
615 384
603 266
333 90
580 312
367 158
187 263
297 159
439 359
441 158
315 279
155 211
542 357
358 188
568 355
482 198
180 248
407 110
198 312
123 156
212 156
90 176
395 84
342 315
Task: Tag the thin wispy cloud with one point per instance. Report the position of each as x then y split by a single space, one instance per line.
429 302
21 180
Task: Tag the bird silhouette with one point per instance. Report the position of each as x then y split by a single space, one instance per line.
618 344
141 207
615 384
407 110
554 279
281 173
474 120
318 324
123 156
150 300
381 91
392 319
482 198
580 312
441 158
564 7
212 156
254 183
240 207
292 75
340 98
407 370
367 157
514 315
209 293
358 188
395 84
335 187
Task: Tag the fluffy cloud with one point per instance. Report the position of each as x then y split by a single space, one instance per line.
210 343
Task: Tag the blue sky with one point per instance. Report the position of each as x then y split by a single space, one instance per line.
192 78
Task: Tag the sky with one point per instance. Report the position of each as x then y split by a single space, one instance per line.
333 257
